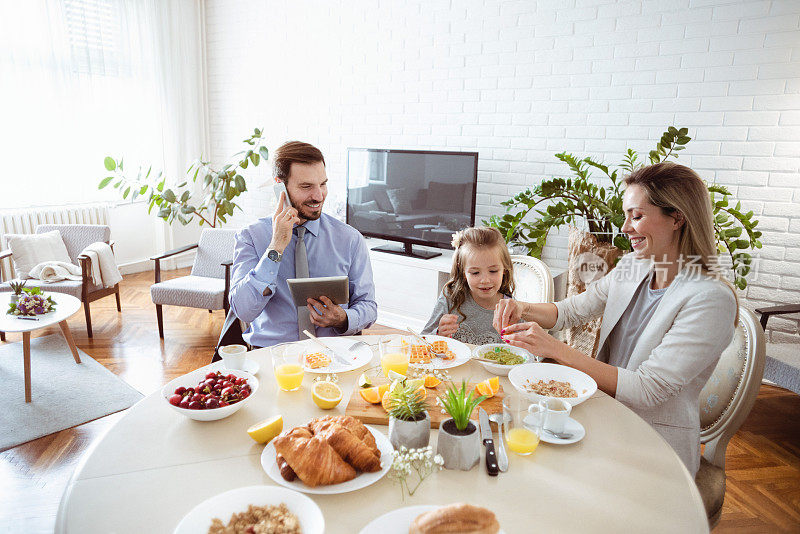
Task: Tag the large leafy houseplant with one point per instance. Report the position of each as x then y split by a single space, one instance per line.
220 187
567 200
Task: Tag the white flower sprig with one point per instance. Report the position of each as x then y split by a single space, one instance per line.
421 462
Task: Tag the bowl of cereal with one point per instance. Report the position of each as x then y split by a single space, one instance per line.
539 381
258 508
504 357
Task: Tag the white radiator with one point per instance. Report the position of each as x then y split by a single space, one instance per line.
25 221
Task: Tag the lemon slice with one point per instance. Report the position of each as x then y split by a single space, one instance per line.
267 429
394 375
364 381
415 383
326 395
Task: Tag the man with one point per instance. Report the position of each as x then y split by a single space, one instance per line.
268 252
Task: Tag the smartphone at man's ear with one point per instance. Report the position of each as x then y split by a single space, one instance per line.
279 188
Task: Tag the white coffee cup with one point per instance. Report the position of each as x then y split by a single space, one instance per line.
555 412
233 356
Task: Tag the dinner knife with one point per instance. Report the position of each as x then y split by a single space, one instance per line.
486 436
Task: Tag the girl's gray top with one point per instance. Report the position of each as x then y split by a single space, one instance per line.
476 328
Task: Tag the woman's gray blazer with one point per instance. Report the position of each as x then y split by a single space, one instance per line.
676 353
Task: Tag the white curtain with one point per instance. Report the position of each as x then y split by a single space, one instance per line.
83 79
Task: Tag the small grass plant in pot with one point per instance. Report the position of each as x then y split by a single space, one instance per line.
16 289
409 422
459 442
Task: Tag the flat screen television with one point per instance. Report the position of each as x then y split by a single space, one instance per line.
414 197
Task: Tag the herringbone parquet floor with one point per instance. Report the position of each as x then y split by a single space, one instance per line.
763 488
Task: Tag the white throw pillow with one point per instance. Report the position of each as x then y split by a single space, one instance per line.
29 250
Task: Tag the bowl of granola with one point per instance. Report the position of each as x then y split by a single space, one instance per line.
258 508
539 381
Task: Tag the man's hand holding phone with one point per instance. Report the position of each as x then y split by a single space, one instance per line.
283 220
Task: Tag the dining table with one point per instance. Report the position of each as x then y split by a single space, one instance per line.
154 465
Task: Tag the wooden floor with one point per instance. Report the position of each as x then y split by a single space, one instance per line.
763 461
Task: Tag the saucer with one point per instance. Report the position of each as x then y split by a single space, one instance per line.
571 426
250 366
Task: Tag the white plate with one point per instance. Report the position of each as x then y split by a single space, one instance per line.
571 426
583 384
361 481
399 521
236 501
463 354
357 359
250 366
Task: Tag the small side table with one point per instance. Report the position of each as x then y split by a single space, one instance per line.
66 307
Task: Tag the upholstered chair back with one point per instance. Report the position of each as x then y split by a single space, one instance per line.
78 236
532 280
215 247
731 391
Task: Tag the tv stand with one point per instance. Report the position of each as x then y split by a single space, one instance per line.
406 249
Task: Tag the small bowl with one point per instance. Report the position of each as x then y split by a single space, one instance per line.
190 380
583 384
500 369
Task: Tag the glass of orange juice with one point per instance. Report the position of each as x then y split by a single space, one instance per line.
287 364
395 353
523 424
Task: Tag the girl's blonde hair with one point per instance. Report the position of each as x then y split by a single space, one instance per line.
678 189
466 241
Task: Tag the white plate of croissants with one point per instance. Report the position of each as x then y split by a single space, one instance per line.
433 519
328 455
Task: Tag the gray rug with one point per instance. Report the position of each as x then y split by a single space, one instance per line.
64 393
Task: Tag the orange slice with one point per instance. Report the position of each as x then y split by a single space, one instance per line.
431 381
488 387
374 394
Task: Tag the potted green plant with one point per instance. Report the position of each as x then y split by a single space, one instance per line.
16 287
219 186
560 201
459 442
409 423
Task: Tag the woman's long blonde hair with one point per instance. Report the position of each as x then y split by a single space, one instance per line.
469 240
678 189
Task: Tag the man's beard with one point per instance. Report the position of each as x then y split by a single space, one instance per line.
304 211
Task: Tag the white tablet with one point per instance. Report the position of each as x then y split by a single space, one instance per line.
335 288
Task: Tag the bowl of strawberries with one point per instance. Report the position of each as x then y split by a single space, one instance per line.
209 395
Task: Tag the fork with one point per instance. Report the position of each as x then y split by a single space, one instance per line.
428 343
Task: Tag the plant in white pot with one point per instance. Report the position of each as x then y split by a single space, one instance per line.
16 287
409 423
459 442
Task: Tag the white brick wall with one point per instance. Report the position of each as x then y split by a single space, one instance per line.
519 81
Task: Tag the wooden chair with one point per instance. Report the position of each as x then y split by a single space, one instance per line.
782 367
532 279
208 284
76 238
725 402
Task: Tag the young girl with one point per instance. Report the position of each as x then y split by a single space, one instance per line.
481 276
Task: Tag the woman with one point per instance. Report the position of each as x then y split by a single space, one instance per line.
667 315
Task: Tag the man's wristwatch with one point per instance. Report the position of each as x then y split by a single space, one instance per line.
274 255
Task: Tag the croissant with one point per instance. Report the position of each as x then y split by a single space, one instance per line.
286 471
461 518
354 451
353 425
312 459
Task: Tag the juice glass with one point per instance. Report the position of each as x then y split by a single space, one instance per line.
287 364
522 426
395 354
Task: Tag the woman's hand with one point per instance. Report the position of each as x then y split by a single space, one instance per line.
507 312
534 339
448 325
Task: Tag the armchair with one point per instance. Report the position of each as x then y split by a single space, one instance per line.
76 237
783 359
208 284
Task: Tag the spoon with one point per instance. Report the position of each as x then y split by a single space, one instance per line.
502 457
559 435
